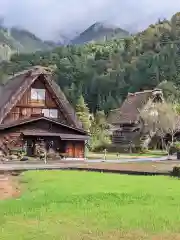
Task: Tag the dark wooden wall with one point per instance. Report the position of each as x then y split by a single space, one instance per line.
15 139
127 133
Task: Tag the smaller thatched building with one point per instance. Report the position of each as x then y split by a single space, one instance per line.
127 126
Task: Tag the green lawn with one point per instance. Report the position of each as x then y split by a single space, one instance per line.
80 205
113 156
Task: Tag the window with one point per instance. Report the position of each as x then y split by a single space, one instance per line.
50 113
45 112
37 94
53 113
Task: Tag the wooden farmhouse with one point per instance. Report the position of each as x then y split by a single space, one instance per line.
127 126
34 110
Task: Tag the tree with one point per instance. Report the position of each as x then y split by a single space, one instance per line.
82 112
169 120
162 119
99 132
170 91
105 72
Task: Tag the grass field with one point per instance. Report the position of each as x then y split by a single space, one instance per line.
114 156
80 205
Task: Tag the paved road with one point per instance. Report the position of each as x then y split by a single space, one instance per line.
42 166
72 164
165 158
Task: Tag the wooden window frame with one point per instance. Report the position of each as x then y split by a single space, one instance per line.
38 97
48 111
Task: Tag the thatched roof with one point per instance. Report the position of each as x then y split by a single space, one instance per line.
16 86
129 111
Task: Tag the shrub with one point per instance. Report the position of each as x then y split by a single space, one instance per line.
172 149
177 146
176 171
100 147
143 150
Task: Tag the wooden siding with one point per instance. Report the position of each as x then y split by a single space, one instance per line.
126 134
27 107
70 149
49 101
73 149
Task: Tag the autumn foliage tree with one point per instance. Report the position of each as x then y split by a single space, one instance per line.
165 121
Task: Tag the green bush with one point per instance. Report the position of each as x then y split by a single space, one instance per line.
172 149
100 147
176 172
177 146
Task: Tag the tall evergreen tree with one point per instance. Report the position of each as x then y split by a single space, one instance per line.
104 73
83 114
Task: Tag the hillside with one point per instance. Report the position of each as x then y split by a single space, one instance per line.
105 72
99 32
17 40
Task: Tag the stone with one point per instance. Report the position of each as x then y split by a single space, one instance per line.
23 159
4 159
1 154
13 157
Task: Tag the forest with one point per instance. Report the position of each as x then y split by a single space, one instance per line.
103 73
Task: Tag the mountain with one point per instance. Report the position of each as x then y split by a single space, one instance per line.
98 32
14 40
105 73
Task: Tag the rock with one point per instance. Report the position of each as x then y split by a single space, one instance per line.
5 159
1 154
24 159
13 157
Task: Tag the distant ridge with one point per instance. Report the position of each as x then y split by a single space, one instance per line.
100 31
15 40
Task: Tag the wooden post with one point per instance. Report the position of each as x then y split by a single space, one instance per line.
85 149
105 151
45 157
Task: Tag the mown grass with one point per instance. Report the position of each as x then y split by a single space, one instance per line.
81 205
116 156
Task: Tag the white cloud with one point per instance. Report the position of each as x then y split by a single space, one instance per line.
47 17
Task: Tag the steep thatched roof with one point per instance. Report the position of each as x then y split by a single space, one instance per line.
16 86
129 111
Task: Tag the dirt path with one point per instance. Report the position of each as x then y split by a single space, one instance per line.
8 187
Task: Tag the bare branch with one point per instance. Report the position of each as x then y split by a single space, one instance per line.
161 118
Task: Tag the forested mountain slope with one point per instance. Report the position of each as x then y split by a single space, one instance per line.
99 32
14 40
104 73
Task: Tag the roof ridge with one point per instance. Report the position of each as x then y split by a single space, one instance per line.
136 93
28 71
114 109
145 91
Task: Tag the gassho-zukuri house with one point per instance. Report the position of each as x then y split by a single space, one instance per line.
127 126
33 109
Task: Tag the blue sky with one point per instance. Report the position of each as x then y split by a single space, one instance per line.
48 18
